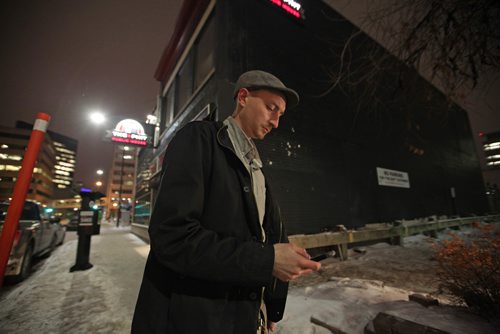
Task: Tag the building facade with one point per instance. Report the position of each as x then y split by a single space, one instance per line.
491 147
121 184
331 161
491 150
66 149
13 143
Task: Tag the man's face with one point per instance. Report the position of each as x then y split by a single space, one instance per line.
260 112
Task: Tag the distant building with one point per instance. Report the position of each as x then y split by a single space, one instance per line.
491 150
491 147
66 149
330 162
13 143
121 183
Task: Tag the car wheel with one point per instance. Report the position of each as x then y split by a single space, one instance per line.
25 266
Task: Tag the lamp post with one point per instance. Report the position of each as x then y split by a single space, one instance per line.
120 189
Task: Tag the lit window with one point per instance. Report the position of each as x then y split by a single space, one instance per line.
12 168
11 157
492 146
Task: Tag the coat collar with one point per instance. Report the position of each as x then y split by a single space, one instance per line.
223 136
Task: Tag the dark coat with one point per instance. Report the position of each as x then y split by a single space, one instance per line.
208 264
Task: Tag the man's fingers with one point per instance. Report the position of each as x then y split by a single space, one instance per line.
272 326
301 251
305 272
292 262
308 264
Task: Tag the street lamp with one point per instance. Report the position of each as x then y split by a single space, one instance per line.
99 172
97 117
98 183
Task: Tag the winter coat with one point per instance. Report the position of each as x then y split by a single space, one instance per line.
208 264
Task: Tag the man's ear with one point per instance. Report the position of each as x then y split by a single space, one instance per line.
242 96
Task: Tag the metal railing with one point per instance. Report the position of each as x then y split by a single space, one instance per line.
394 232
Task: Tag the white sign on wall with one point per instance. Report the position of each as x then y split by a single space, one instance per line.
393 178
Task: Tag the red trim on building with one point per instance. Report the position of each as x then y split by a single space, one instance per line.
190 13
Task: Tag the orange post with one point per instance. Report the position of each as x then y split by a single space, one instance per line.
21 189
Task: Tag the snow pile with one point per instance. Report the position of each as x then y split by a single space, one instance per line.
349 305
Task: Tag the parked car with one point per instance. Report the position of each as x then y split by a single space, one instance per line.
60 229
37 235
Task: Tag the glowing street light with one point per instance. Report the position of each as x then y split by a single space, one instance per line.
97 117
99 172
98 183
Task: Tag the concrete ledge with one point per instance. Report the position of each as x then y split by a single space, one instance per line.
141 231
389 324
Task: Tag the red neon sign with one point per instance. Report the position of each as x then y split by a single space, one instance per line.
290 6
129 131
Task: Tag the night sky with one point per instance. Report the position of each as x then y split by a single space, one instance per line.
66 58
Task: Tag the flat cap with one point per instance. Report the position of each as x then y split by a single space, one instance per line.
256 79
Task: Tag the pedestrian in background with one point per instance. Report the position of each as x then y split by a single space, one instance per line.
220 261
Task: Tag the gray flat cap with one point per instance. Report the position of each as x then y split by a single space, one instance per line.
262 80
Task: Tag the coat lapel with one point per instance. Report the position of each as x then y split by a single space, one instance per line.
245 181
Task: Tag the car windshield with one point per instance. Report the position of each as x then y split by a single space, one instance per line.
29 211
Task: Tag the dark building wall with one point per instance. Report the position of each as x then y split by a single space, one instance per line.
322 160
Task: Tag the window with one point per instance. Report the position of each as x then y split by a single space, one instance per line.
205 53
184 83
168 105
142 211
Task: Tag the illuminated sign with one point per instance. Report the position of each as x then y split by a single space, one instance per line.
292 7
131 132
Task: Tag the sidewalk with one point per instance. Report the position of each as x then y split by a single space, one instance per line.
98 300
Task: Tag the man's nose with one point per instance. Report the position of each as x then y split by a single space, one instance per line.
274 122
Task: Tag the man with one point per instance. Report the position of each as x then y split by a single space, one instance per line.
219 260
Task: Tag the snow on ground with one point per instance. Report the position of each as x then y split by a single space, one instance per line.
98 300
345 295
349 305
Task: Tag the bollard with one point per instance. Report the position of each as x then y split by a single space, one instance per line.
21 189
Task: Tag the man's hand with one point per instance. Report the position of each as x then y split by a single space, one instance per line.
271 326
291 261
